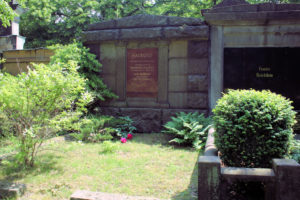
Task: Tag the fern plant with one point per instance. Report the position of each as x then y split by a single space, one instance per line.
188 129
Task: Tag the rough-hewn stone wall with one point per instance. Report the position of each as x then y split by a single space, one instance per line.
183 50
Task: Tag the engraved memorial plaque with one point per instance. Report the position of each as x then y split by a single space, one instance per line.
275 69
142 73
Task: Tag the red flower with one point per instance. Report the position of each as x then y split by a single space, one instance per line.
123 140
129 136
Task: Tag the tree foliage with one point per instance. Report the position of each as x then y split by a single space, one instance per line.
88 67
6 12
39 103
48 22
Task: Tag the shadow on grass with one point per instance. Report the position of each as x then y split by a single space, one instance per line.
44 165
152 138
159 139
191 193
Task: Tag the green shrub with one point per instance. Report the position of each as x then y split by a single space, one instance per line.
88 67
40 102
93 129
252 127
100 128
124 126
189 129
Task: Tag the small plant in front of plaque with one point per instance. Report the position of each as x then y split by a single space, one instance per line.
188 129
94 129
125 128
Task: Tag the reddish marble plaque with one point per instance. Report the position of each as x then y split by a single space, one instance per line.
142 72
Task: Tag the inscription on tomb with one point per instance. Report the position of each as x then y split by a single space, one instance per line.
264 72
275 69
142 72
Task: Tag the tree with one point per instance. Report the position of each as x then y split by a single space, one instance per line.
39 103
49 22
88 67
188 8
7 14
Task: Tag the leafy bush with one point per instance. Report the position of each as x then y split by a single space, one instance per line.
93 129
100 128
252 127
295 150
88 66
189 129
41 102
124 126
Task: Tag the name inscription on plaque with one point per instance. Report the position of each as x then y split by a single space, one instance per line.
142 70
264 72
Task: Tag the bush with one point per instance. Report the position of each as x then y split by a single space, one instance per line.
41 102
124 126
100 128
189 129
88 67
252 127
93 129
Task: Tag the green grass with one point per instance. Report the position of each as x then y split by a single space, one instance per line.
144 166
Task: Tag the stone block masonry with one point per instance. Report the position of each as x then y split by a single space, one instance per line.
146 27
18 61
282 181
177 75
147 120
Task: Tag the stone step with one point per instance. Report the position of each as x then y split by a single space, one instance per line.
88 195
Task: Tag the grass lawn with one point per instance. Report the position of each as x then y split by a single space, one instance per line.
144 166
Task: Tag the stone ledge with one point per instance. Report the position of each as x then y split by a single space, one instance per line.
145 21
184 31
246 7
252 14
140 33
249 174
87 195
8 189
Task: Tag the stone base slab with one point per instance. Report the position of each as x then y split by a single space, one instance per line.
147 120
87 195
